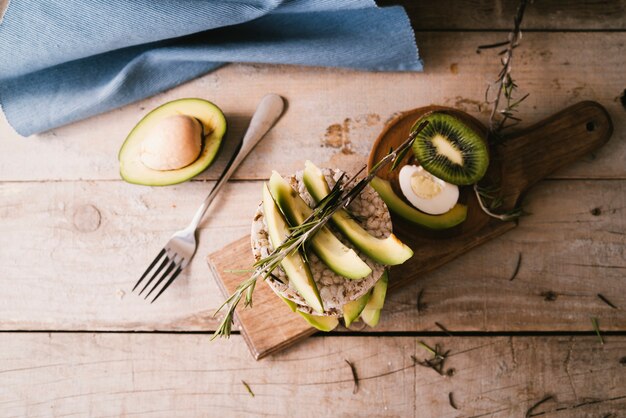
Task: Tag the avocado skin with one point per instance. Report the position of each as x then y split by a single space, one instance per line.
452 218
388 251
339 258
352 310
293 264
214 125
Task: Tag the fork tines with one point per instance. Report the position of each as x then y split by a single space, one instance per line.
169 264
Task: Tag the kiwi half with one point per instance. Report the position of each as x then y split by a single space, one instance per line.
450 150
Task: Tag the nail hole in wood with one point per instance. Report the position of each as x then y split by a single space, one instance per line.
591 126
549 296
596 211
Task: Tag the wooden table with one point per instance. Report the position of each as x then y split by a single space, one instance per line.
74 238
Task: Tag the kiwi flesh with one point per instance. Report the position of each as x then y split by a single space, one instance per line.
450 150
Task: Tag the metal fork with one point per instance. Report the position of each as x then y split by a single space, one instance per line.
179 250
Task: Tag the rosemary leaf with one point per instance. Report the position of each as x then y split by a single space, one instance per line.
452 403
444 329
517 266
420 305
605 300
355 377
239 271
596 328
248 388
530 410
423 344
399 159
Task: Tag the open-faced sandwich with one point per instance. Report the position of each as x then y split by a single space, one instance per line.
342 271
324 243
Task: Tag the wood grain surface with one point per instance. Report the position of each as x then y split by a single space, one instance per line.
74 238
497 15
178 375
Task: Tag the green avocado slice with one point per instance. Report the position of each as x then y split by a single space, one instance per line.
453 217
213 122
371 316
371 313
292 305
339 258
296 269
379 293
322 323
390 251
352 310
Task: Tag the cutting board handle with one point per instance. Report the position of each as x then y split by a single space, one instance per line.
534 153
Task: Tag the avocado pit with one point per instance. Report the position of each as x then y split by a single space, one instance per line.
172 143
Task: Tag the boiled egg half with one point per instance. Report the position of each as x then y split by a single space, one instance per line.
427 192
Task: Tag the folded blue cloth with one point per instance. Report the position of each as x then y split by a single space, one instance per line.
65 60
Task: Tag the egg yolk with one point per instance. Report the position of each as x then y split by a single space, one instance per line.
425 186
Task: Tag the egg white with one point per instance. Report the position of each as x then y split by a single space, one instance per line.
438 204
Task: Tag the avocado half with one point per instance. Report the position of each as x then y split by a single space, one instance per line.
213 122
455 216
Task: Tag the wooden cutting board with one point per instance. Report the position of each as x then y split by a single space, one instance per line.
516 165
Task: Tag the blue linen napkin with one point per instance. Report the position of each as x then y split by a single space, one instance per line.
65 60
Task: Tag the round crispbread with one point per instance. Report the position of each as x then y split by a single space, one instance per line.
335 290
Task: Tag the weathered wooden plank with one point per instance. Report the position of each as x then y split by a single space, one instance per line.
335 115
498 14
71 251
186 375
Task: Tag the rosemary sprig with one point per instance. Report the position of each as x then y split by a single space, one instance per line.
511 215
504 85
340 197
596 328
437 362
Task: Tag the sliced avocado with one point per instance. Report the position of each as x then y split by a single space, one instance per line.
133 170
370 316
297 270
352 310
390 251
323 323
371 312
377 300
453 217
292 305
339 258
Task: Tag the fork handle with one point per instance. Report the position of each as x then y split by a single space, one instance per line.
267 113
